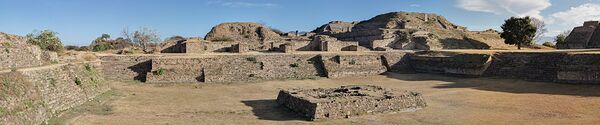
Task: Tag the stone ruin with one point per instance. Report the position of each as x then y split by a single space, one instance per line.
409 31
583 37
348 101
395 30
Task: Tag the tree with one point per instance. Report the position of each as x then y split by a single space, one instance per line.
518 31
145 37
562 37
541 28
46 40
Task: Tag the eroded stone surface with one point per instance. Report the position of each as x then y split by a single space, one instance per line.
348 101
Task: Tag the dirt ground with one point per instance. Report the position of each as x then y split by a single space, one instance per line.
450 101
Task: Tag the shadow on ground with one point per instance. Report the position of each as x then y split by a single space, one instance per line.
503 85
269 109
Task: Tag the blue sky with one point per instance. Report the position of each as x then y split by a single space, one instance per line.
80 21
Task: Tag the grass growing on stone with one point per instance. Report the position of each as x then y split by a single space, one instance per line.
97 106
251 59
77 81
88 67
159 72
294 65
52 82
352 62
3 112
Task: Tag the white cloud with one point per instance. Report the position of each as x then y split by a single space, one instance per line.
238 4
531 8
415 5
575 16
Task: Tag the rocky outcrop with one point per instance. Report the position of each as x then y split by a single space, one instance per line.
408 30
242 32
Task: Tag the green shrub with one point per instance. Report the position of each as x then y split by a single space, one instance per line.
101 47
46 40
159 72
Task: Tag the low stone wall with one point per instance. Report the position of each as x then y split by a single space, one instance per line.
577 68
528 66
580 68
397 62
348 101
338 66
236 68
126 68
454 64
33 95
233 68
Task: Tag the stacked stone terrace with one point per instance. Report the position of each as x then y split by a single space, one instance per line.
583 37
348 101
34 86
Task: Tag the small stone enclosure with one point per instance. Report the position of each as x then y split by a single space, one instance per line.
348 101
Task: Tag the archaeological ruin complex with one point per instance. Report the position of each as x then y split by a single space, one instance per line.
397 42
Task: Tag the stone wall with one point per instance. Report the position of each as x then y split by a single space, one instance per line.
452 63
338 66
25 56
233 68
580 68
529 66
126 68
239 68
33 95
577 68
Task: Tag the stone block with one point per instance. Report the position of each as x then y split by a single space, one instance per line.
287 48
348 101
194 47
240 48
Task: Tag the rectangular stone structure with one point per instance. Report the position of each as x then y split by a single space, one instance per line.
348 101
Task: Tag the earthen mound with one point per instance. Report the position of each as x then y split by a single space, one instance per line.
242 32
411 30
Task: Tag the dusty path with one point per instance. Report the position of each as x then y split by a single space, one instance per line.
450 100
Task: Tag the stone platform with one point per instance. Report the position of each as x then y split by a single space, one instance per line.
347 101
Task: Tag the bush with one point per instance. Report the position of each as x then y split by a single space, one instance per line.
46 40
548 44
101 47
71 47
